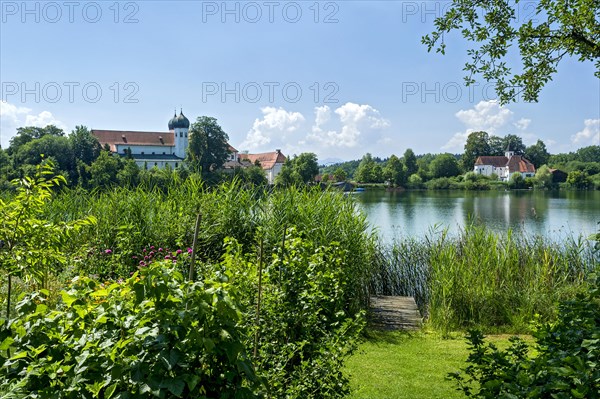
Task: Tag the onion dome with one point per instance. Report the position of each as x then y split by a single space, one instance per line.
179 121
172 121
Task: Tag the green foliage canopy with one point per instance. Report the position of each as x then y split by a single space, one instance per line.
556 28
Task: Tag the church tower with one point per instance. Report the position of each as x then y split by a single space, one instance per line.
508 153
180 126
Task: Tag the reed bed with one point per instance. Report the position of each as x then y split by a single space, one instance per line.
130 220
498 283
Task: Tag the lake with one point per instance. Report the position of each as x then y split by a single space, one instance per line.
413 213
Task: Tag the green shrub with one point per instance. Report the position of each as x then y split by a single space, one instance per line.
303 329
154 335
564 364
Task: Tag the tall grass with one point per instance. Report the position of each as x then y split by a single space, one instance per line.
486 280
132 219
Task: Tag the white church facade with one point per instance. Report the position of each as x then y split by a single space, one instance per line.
162 149
150 149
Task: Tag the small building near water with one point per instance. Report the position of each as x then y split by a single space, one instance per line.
504 166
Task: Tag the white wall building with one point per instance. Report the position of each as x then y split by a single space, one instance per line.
150 149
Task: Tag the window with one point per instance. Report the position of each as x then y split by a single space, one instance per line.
180 134
155 164
142 152
153 153
164 153
175 164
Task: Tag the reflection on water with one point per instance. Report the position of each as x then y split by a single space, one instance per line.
413 213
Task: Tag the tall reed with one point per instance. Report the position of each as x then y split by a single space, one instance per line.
478 278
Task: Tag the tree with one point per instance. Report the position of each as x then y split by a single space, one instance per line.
339 174
553 30
410 162
477 144
288 176
48 146
537 154
306 166
589 154
208 148
514 142
28 133
444 165
129 175
578 179
497 145
84 144
105 169
256 175
366 170
516 181
395 171
543 177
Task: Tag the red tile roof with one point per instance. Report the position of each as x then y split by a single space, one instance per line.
114 137
495 161
267 159
516 163
519 164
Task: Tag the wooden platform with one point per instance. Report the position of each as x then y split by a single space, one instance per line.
395 313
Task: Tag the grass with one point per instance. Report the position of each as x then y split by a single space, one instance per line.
397 365
478 279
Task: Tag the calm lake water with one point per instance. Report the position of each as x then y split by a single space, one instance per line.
413 213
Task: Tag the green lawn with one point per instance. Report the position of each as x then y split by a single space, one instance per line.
393 365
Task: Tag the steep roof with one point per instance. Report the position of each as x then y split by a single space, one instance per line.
519 164
267 159
114 137
494 160
516 163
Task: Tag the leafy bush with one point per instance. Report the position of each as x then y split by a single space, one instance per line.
303 330
565 363
155 335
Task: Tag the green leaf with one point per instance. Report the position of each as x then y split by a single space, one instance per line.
6 343
110 391
175 386
67 298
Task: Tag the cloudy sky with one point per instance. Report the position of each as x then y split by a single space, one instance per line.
337 78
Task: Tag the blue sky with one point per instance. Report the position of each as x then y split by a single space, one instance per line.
337 78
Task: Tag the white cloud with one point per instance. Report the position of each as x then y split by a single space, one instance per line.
13 117
358 121
590 135
333 133
488 116
522 124
272 128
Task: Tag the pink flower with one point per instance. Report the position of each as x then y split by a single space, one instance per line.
152 247
134 257
168 257
160 249
142 263
189 250
179 251
108 251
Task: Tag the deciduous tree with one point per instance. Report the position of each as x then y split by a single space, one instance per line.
477 145
208 146
551 30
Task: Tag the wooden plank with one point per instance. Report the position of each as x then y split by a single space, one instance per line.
394 313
